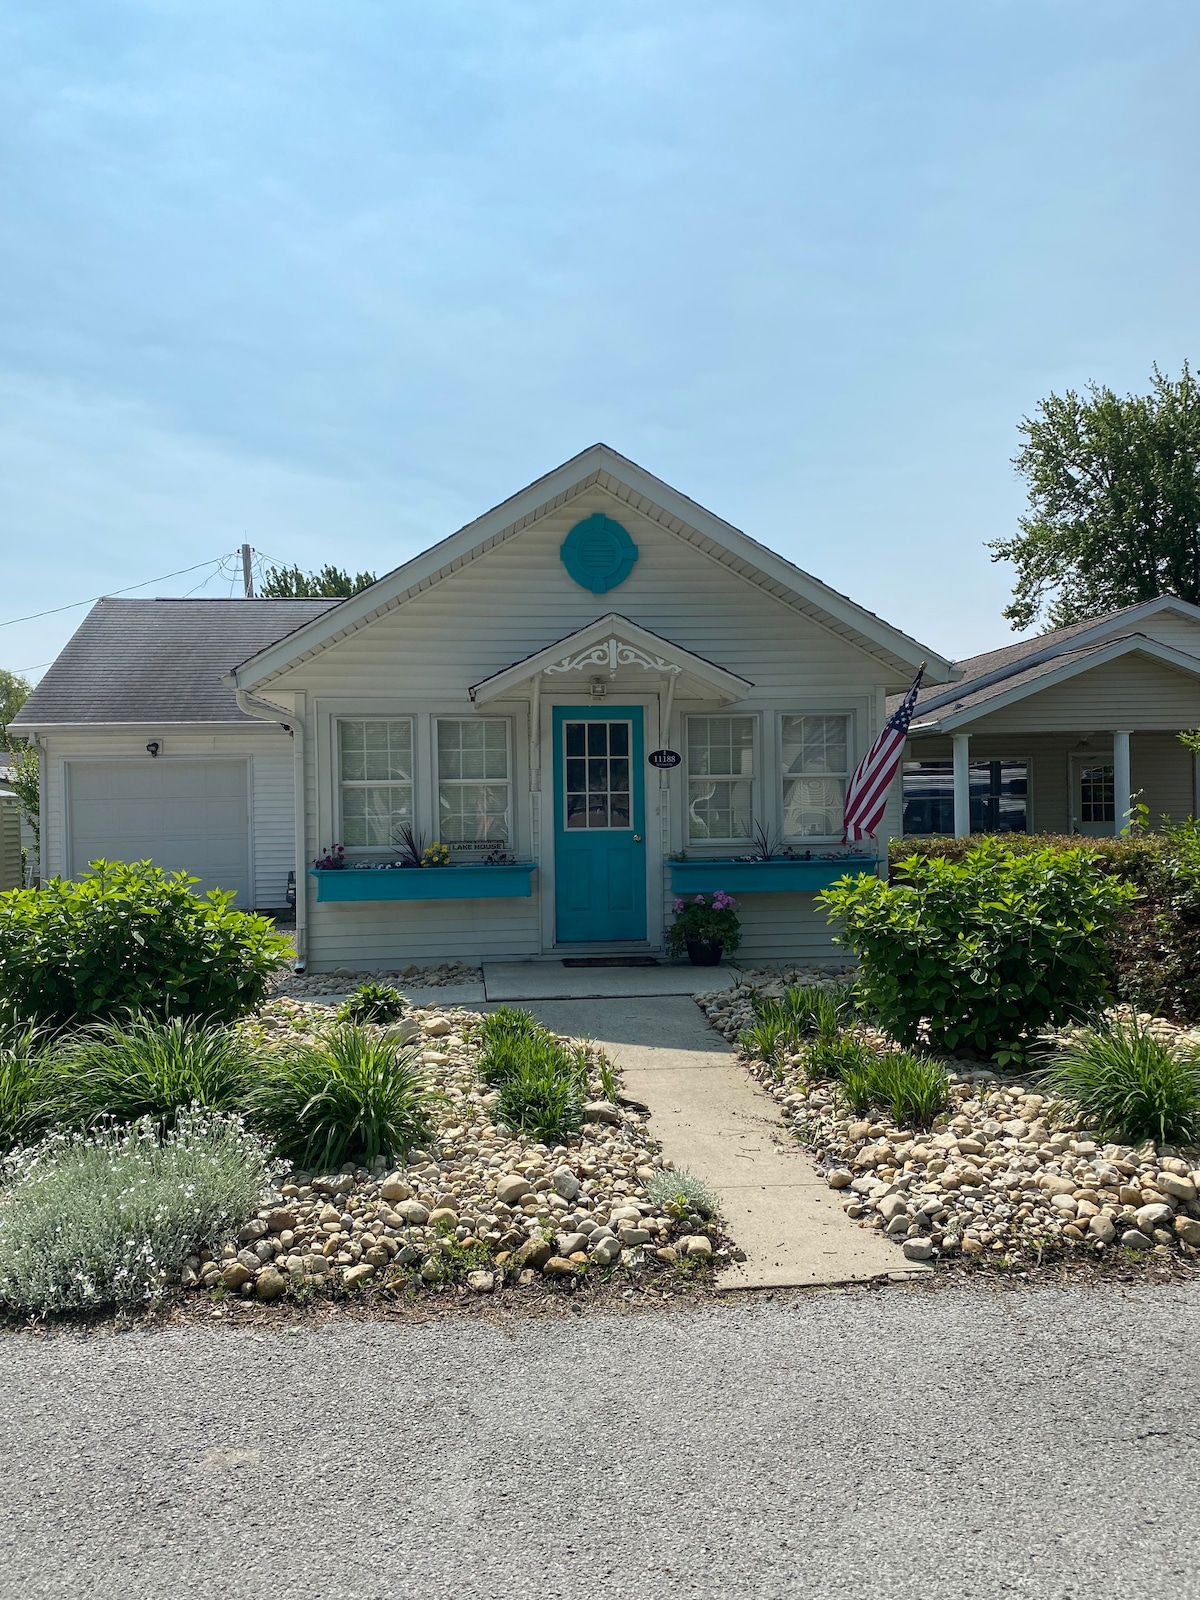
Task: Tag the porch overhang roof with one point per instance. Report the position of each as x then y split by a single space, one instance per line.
959 715
602 649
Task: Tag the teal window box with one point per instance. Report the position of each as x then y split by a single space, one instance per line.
763 877
465 882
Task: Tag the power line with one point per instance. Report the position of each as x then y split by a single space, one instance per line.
75 604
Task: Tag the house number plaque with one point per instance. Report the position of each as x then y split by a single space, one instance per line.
664 759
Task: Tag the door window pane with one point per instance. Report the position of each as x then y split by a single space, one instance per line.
816 766
1097 794
597 791
474 789
720 764
375 776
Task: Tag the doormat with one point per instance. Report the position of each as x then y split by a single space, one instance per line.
610 961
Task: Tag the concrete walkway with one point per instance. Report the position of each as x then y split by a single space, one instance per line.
550 980
713 1119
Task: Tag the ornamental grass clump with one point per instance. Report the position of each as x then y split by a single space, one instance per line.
984 954
95 1220
829 1060
25 1073
358 1096
542 1084
144 1067
912 1091
1127 1085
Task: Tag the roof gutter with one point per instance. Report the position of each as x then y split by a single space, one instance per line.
293 722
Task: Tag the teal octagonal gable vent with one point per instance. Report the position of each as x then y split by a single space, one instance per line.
598 553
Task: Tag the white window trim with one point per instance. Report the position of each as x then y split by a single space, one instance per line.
509 847
744 841
362 850
850 716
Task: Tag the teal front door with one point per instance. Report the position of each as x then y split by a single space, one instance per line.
599 824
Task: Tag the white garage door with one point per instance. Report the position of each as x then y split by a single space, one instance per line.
189 815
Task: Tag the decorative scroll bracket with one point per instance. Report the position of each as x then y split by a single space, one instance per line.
614 653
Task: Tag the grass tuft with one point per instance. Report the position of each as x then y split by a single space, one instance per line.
145 1067
1128 1085
912 1091
25 1073
357 1097
373 1002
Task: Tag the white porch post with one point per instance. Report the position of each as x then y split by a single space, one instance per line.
962 785
1122 782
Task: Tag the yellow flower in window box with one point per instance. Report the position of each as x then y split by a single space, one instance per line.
436 855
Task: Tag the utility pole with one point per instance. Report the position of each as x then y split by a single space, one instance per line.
247 572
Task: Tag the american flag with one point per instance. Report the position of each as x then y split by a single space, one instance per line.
866 798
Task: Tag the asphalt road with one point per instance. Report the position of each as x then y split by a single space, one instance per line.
862 1444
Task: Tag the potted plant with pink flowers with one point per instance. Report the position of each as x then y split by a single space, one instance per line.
706 926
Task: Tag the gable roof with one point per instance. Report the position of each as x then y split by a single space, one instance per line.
652 498
998 677
161 661
613 641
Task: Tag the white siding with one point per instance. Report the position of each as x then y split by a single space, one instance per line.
10 843
267 749
421 658
1134 691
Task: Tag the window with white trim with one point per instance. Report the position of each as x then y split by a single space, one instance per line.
375 780
720 765
474 782
816 769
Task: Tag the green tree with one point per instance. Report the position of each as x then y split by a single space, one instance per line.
290 583
1114 502
23 781
14 691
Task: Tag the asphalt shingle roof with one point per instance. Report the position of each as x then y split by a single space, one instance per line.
160 660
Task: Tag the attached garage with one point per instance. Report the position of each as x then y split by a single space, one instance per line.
191 816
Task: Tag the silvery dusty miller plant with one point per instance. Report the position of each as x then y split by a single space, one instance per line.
91 1221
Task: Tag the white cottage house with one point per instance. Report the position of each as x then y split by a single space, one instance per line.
597 696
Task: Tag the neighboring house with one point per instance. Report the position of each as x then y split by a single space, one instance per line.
145 753
10 835
503 692
1062 733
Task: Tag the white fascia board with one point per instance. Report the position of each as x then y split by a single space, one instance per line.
728 684
571 478
153 722
1139 644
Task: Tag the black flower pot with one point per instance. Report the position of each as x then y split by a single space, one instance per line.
705 952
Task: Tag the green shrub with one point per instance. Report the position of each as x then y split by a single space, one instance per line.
357 1096
129 937
681 1193
987 952
145 1067
25 1071
505 1023
1155 943
1127 1085
911 1090
373 1002
106 1219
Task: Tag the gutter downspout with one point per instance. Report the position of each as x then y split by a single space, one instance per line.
293 722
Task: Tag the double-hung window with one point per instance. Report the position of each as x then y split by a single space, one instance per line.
474 782
816 768
720 765
375 780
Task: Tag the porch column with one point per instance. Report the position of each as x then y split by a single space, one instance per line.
1122 783
962 785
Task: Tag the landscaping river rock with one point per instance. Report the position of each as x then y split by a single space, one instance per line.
1002 1175
480 1205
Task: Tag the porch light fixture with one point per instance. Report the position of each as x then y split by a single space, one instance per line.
597 688
153 748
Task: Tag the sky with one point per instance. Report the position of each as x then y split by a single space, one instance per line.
333 279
